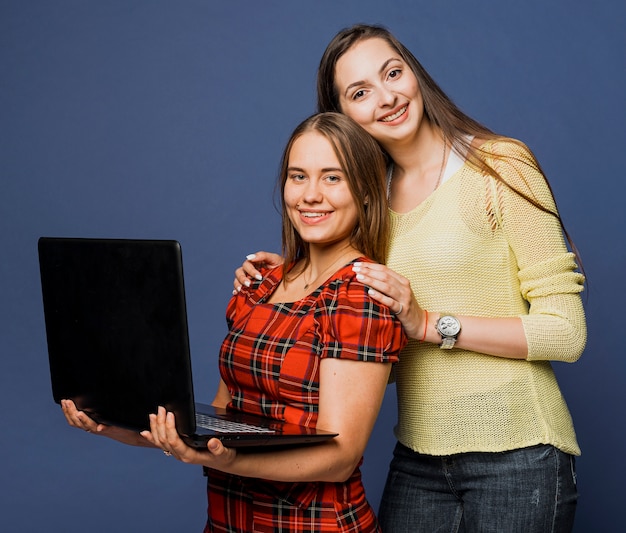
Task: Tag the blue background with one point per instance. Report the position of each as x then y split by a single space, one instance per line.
160 119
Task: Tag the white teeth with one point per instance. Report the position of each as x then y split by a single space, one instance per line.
395 115
313 215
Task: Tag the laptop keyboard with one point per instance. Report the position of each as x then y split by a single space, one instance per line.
228 426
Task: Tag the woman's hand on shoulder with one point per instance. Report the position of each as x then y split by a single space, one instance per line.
393 290
248 270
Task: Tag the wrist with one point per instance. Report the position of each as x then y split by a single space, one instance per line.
429 332
448 327
425 329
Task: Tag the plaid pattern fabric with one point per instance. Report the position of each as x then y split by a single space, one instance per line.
270 362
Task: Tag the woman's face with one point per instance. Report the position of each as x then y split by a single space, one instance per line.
316 193
379 91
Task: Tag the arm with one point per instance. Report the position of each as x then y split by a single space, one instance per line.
248 269
351 393
222 397
554 326
80 420
394 290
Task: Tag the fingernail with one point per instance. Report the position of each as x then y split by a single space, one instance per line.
356 268
360 277
235 292
357 264
250 257
247 283
259 277
371 292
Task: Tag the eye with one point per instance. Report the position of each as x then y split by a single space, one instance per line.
395 73
297 177
358 94
333 178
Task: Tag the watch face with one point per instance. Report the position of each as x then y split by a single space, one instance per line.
448 326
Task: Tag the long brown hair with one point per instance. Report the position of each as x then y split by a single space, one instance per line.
363 163
456 127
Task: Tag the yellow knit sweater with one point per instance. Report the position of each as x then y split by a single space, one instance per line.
476 248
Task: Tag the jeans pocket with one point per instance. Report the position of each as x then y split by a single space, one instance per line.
572 466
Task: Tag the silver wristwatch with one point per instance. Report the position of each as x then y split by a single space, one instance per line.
449 328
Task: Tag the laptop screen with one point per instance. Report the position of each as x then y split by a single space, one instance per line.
116 326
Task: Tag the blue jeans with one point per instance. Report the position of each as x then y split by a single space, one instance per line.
530 490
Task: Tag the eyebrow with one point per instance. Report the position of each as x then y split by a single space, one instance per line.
380 71
327 169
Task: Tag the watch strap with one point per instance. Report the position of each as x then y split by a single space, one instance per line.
447 343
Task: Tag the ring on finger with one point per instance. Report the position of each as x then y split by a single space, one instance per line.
167 452
399 310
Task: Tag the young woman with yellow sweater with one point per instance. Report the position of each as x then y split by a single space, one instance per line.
480 275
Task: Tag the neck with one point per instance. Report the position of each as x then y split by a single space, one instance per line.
418 154
324 261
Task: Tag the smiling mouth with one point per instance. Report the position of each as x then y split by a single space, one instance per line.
397 114
312 215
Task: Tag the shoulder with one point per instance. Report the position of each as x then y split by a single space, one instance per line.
352 325
518 168
343 284
505 148
257 292
345 299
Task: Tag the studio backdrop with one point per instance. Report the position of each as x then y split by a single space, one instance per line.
166 120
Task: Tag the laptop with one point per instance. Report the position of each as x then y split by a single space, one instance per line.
118 345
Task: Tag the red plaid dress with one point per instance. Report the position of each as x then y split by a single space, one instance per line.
270 362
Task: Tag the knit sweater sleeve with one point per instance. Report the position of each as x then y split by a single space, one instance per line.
555 325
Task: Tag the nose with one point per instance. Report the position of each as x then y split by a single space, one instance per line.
386 98
312 192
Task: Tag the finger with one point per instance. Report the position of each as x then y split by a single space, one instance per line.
175 445
244 274
386 281
170 429
69 411
76 418
382 298
377 286
378 272
151 434
86 423
220 452
241 279
69 408
250 269
148 436
154 430
160 424
167 433
216 447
